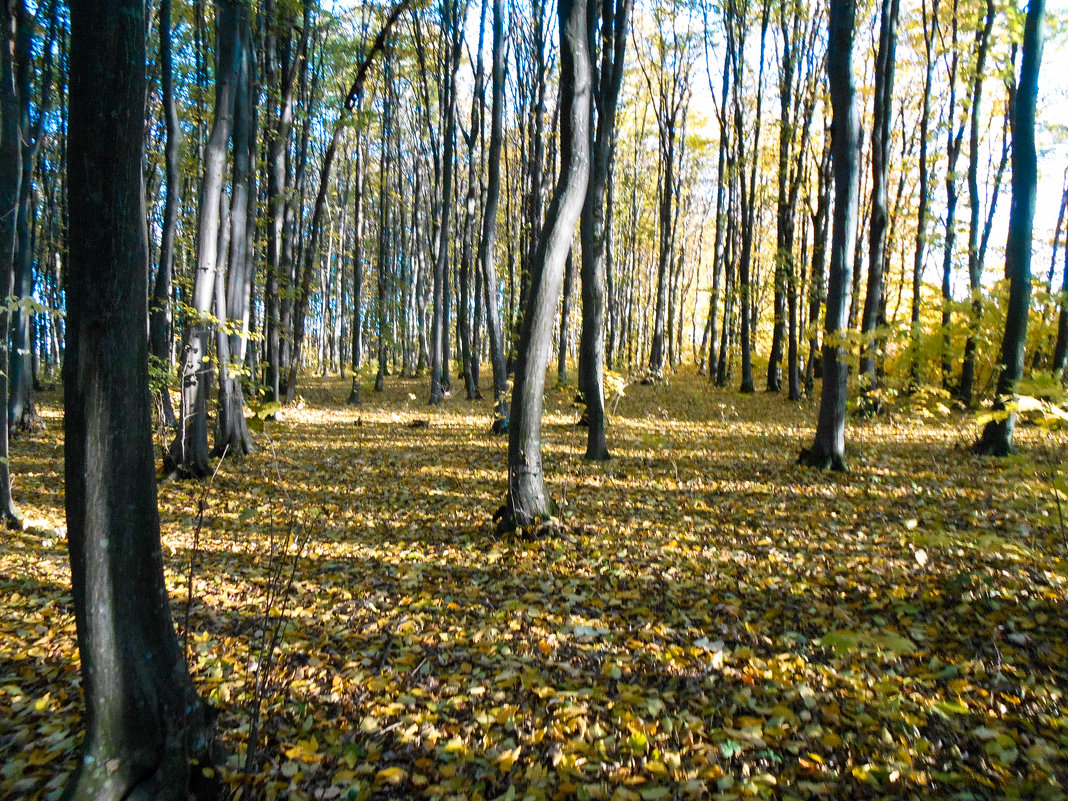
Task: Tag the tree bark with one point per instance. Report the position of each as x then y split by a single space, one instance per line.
189 449
975 265
10 178
528 502
22 411
161 317
996 439
487 241
880 153
144 721
828 448
915 332
607 81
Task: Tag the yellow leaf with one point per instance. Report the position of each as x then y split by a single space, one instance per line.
392 775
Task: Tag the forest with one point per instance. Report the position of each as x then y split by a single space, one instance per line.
486 399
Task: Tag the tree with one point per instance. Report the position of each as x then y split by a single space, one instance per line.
144 720
10 177
607 80
22 412
975 262
671 63
880 152
487 241
996 439
189 449
930 31
828 448
528 502
161 317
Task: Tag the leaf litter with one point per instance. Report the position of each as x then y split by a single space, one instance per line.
711 621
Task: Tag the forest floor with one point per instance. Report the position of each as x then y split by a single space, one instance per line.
710 620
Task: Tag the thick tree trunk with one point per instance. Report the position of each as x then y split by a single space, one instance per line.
996 439
144 721
828 448
528 501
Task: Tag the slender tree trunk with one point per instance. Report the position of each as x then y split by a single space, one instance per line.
22 411
487 241
160 310
1060 351
232 297
828 448
360 171
528 502
975 266
439 329
608 79
930 32
10 178
144 721
996 439
880 154
189 449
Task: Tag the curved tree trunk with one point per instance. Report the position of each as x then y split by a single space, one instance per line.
144 721
828 448
996 439
528 501
161 318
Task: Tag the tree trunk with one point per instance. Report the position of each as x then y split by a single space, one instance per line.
189 449
828 448
22 411
144 721
975 265
954 140
915 333
1060 350
996 439
528 502
161 319
232 298
880 153
357 262
608 79
10 177
487 241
